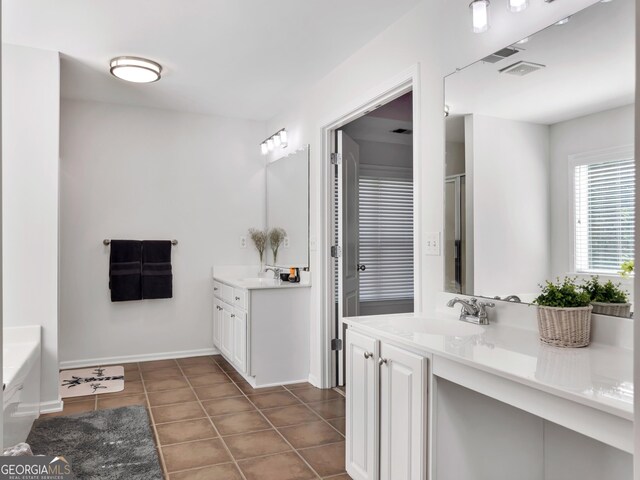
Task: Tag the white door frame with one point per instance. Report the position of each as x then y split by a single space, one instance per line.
407 81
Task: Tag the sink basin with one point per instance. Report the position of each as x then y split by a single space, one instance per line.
428 326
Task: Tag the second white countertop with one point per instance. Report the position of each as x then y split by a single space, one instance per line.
599 376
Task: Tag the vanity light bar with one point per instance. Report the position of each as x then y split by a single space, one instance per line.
278 139
480 12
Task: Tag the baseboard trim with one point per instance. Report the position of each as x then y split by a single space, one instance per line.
147 357
314 381
51 407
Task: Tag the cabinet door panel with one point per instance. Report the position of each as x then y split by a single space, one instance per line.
403 415
240 340
226 331
216 323
362 406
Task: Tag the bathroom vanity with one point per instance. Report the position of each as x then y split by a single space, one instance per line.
434 397
261 326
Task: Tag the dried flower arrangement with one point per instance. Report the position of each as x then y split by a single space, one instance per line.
259 238
276 237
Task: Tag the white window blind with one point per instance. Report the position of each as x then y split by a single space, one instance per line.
386 238
604 215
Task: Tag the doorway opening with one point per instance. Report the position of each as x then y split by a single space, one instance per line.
373 217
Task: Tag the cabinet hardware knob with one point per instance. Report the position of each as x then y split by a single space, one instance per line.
237 298
233 316
368 355
215 289
361 267
382 361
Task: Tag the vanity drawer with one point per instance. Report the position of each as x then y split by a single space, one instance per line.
217 289
227 293
240 298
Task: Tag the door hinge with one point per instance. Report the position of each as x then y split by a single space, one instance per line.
336 159
336 251
336 344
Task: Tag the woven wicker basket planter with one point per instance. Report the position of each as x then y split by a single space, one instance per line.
565 327
613 309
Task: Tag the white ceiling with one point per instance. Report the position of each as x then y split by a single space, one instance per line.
590 67
235 58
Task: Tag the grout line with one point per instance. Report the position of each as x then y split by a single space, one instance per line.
163 464
282 436
278 432
213 424
321 417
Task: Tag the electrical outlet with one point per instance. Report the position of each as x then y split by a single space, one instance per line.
243 242
286 242
432 244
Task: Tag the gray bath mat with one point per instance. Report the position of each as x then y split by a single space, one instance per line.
101 445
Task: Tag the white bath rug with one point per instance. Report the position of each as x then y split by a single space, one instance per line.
91 381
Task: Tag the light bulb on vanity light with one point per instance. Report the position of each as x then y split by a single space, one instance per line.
264 148
270 145
276 140
518 5
480 15
283 137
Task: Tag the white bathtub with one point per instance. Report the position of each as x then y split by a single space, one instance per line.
21 378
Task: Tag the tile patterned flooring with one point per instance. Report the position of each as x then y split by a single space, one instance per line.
209 423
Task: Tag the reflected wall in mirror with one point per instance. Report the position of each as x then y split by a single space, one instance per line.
288 207
539 159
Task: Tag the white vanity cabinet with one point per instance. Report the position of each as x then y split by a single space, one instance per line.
386 411
262 329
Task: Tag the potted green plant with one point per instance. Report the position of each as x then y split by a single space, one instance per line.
626 269
564 314
607 298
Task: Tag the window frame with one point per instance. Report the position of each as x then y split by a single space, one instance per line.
612 154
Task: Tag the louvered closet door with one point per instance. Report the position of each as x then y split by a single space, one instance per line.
403 415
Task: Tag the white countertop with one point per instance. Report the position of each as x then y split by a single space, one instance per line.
599 376
251 283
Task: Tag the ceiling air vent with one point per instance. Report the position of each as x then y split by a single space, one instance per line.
404 131
500 55
520 69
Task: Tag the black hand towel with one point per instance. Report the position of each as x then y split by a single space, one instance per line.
125 270
157 279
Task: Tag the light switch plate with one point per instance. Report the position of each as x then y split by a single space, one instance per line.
243 242
432 243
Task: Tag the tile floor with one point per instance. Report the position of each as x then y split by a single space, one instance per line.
209 423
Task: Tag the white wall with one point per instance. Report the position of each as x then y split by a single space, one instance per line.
30 130
611 128
437 37
510 206
144 173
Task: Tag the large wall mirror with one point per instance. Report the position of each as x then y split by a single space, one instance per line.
539 159
288 207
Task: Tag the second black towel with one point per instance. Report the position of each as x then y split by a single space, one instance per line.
157 277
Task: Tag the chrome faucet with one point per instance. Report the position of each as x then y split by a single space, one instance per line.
276 272
472 311
510 298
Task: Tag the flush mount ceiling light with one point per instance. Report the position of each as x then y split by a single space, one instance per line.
480 15
518 5
135 69
278 139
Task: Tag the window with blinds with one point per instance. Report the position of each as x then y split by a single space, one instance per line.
386 238
604 215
